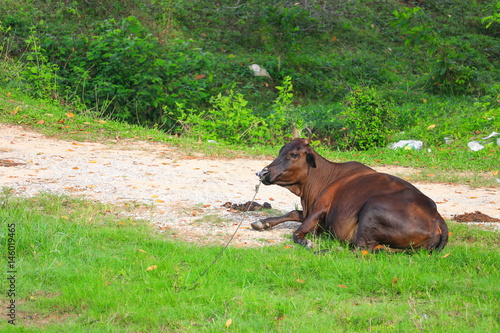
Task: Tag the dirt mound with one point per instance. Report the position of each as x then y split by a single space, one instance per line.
248 206
475 217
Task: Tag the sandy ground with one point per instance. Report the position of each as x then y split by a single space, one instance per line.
180 194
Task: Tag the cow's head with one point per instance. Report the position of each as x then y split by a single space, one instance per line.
291 166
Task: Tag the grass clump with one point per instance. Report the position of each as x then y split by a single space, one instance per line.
81 268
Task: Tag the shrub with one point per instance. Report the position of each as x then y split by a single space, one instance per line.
122 71
368 120
230 120
38 73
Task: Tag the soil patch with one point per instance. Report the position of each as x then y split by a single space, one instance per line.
248 206
475 217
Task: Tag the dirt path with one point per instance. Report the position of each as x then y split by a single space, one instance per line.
178 190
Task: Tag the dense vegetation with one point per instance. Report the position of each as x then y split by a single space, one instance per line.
357 72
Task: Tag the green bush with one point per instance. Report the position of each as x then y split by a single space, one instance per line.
119 71
231 120
368 120
124 72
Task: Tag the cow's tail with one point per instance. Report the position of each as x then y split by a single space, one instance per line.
443 240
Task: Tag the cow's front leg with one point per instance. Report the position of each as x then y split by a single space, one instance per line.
308 226
264 224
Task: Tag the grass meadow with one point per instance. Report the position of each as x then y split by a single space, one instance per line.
80 267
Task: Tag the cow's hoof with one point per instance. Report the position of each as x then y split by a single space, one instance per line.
308 244
260 226
304 242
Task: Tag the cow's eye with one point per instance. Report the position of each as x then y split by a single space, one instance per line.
294 155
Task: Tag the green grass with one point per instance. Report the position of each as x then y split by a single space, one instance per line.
80 268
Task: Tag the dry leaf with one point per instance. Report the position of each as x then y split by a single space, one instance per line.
300 281
141 250
151 268
365 253
446 255
431 126
101 121
334 38
92 161
70 115
229 322
342 286
15 111
394 281
41 122
200 76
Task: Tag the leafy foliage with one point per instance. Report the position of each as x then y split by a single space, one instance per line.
495 17
120 73
231 119
369 119
148 62
451 73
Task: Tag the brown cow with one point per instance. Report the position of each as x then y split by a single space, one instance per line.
352 202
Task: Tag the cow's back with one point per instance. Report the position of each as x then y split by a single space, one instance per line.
349 196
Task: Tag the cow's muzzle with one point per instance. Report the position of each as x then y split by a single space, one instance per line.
264 176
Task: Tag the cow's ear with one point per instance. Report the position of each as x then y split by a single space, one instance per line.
310 160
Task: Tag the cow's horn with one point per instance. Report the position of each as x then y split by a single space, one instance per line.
295 132
309 134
